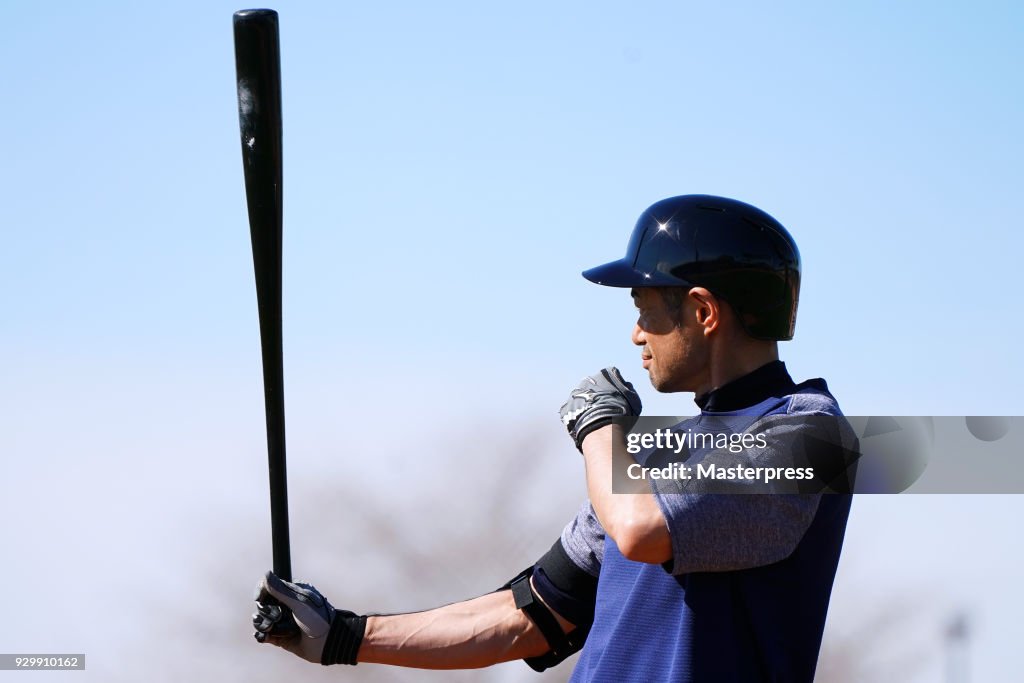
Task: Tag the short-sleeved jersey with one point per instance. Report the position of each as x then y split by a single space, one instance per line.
746 593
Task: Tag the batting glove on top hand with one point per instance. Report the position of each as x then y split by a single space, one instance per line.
298 618
596 402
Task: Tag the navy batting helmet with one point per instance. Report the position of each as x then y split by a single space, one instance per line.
736 251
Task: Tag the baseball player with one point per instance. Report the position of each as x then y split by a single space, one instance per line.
670 584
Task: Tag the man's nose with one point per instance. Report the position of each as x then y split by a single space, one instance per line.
639 337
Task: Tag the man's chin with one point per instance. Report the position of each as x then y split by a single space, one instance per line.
663 386
659 384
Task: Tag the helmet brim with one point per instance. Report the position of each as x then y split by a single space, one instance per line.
621 273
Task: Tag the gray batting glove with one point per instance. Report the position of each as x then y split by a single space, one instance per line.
296 617
598 400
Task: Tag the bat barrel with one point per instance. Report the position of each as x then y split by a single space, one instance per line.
258 68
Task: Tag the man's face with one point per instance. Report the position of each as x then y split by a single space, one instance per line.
672 344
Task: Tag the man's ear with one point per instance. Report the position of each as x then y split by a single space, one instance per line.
707 309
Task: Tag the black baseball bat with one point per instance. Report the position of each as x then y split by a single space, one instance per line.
258 69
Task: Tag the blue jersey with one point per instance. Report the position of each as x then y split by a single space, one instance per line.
746 593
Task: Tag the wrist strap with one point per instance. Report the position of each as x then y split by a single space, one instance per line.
585 430
344 639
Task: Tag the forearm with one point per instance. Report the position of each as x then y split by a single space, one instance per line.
466 635
633 520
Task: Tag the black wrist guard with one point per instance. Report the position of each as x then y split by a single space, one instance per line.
344 639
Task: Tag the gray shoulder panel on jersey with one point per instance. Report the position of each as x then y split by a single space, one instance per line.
809 403
583 540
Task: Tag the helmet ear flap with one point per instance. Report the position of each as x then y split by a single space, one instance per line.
735 250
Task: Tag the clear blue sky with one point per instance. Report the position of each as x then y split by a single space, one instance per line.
450 168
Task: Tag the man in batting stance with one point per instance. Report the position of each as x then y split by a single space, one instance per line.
664 585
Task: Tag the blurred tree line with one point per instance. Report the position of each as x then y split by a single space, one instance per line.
407 531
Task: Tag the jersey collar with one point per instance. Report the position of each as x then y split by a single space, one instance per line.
771 379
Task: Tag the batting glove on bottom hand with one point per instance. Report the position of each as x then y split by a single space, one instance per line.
598 400
298 618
